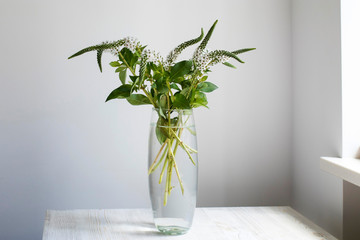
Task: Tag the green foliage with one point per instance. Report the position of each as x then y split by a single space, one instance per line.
121 92
166 84
128 58
200 99
174 86
160 133
229 65
122 76
181 101
180 69
161 130
206 87
115 64
138 99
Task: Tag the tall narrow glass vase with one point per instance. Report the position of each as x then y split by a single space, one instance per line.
173 169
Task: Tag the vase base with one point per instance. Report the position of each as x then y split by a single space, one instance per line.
172 230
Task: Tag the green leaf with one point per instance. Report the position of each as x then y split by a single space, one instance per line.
243 50
122 76
162 101
133 61
121 92
153 67
121 68
115 64
178 80
181 102
138 99
200 100
127 55
161 131
98 56
162 104
174 86
152 92
185 84
161 86
160 134
133 78
185 91
206 87
157 76
161 112
229 65
203 79
180 69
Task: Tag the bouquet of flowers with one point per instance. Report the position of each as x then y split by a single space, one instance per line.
168 85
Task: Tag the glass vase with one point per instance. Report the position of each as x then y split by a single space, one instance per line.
173 169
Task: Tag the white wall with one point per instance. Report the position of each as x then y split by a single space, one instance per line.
316 110
62 147
350 50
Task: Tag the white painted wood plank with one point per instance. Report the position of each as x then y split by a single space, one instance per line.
345 168
249 223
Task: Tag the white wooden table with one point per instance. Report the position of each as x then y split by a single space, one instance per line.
247 223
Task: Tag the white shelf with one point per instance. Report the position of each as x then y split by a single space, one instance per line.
345 168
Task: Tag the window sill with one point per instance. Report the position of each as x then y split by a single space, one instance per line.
345 168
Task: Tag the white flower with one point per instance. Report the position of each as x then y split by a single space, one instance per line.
114 51
152 56
202 60
217 57
131 43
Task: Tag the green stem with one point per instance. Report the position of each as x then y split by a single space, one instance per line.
170 161
185 147
168 85
149 97
169 175
177 141
157 156
126 63
163 170
178 174
133 72
189 148
193 83
161 159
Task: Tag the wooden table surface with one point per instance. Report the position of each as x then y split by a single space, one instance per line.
247 223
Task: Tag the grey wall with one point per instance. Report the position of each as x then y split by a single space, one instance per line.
62 147
316 110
